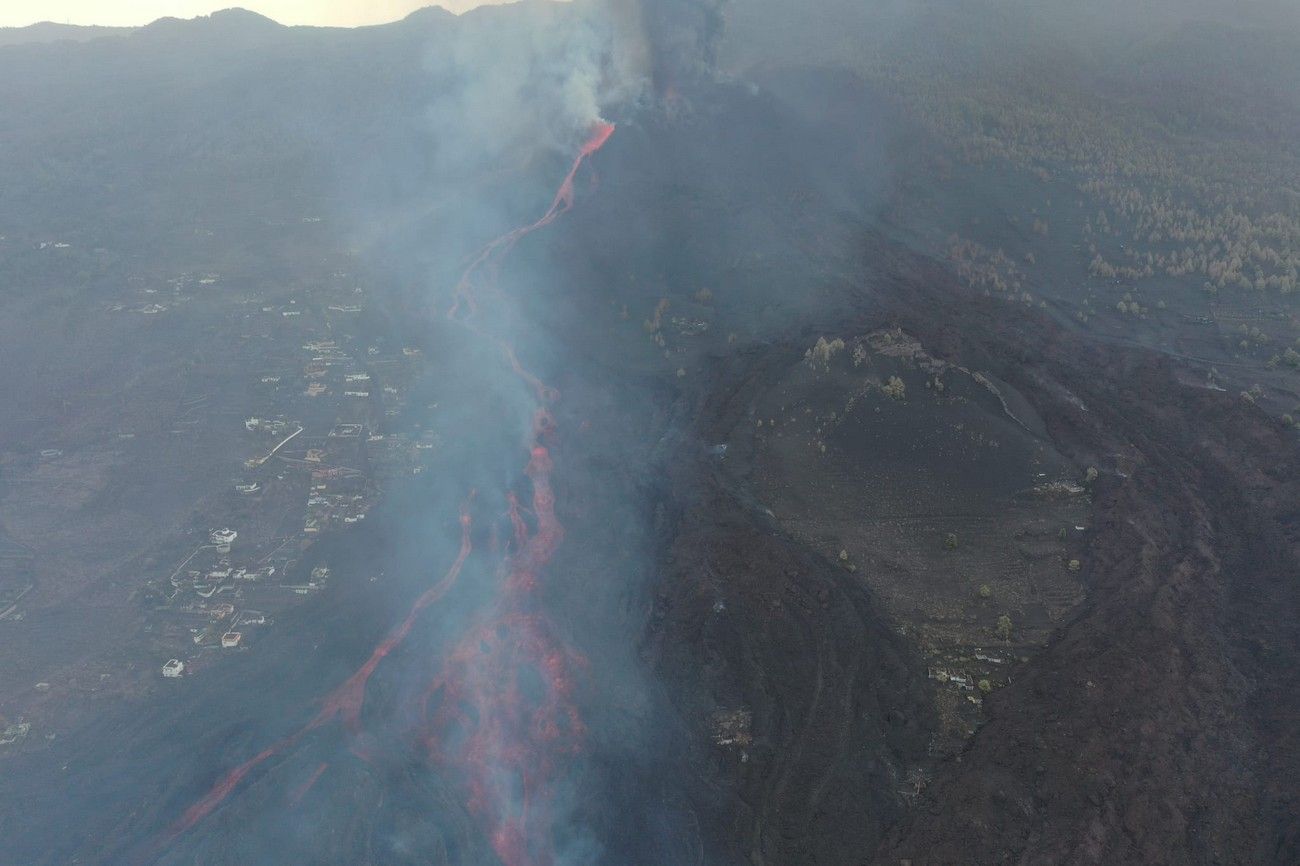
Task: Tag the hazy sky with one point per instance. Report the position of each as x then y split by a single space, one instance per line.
17 13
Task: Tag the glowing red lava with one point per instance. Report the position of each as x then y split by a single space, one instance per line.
301 790
503 710
562 202
344 701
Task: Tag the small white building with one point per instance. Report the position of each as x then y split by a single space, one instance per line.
223 538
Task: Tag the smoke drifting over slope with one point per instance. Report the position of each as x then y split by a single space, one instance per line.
552 70
681 36
506 717
586 634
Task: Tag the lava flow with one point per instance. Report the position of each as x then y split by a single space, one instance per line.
345 701
561 204
301 790
502 710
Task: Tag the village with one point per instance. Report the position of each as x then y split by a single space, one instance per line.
323 440
275 408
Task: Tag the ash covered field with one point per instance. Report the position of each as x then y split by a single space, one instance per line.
715 448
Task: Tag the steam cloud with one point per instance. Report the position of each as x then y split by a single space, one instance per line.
550 81
506 88
680 37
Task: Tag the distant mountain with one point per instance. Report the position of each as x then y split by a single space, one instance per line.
428 14
235 21
48 31
216 118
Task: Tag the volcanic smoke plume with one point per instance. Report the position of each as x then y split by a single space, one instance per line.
506 698
502 710
500 715
680 36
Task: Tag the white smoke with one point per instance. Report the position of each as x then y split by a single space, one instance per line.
501 89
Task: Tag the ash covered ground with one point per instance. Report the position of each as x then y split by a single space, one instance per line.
887 526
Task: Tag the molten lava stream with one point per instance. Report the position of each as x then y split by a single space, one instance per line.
506 693
562 202
344 701
505 711
301 791
504 704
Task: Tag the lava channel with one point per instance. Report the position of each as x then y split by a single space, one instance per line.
502 709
